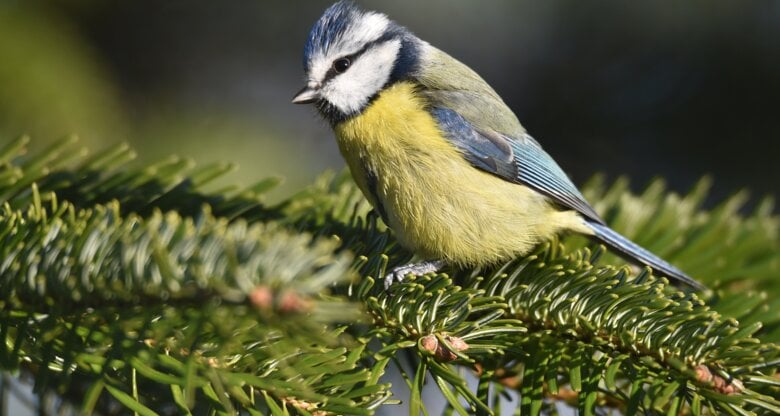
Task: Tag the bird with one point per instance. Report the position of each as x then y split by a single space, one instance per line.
438 154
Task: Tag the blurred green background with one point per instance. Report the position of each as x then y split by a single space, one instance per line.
676 89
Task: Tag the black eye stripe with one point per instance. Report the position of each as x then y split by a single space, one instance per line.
353 56
332 71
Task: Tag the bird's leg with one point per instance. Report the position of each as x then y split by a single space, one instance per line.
421 268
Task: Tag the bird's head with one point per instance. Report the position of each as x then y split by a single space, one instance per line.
350 56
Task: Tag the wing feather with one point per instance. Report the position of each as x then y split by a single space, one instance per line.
520 160
475 119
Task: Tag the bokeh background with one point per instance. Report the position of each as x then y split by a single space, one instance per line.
672 89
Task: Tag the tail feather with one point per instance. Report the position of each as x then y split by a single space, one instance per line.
636 253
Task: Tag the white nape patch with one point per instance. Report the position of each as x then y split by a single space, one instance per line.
350 91
369 27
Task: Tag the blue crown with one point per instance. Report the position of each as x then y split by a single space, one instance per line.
332 25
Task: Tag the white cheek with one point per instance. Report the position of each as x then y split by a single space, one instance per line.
350 91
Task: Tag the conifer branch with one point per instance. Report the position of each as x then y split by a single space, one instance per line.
137 288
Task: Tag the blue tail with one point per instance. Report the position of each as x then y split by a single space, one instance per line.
632 251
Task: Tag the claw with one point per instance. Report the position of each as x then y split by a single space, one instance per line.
399 273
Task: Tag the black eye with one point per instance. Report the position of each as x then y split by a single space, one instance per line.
341 65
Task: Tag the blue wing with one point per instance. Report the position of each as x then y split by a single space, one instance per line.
516 159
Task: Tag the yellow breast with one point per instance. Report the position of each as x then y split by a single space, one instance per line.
436 202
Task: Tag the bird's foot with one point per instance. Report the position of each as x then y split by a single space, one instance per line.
418 269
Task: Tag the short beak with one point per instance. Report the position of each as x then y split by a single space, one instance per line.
307 95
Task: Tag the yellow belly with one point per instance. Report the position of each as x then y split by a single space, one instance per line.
437 203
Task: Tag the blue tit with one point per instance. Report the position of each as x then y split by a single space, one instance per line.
437 153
